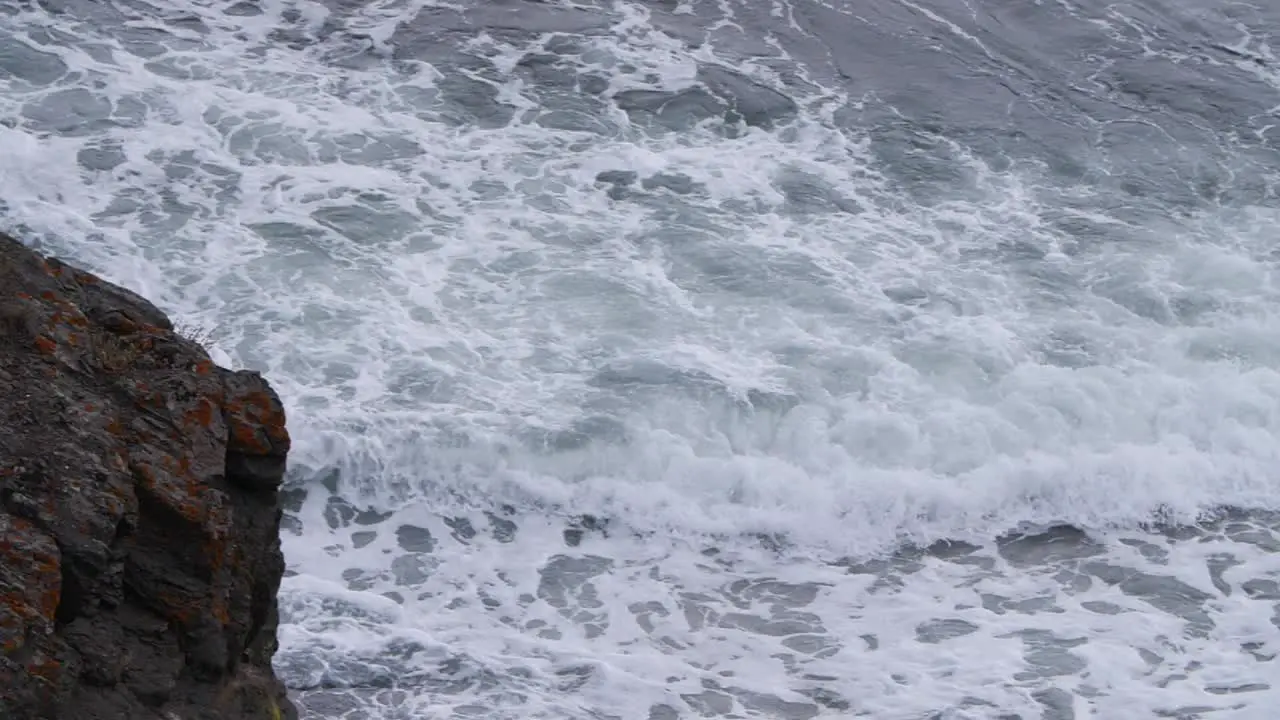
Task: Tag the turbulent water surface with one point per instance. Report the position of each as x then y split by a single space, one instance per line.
658 359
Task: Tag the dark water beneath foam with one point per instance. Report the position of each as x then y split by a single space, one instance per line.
1159 103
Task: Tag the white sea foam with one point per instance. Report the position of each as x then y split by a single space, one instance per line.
769 338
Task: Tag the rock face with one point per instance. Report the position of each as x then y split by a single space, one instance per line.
139 516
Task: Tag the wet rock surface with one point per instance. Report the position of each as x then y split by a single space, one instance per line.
139 510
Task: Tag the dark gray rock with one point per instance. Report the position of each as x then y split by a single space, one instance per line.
139 510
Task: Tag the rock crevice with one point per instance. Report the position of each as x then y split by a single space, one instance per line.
139 510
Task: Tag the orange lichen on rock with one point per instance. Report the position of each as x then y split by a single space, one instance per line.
202 414
45 345
170 490
257 422
250 438
30 575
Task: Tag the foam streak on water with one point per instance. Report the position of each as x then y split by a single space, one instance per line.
695 359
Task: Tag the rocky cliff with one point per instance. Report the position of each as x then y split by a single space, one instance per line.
139 513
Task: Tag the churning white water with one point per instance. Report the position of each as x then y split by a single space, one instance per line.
668 360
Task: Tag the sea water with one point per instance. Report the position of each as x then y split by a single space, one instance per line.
677 359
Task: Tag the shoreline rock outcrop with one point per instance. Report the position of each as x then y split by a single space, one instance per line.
139 510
